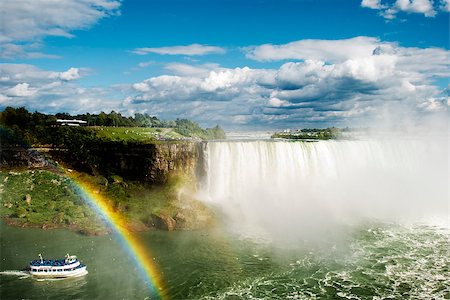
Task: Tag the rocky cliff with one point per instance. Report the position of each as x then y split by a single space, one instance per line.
152 163
20 157
151 184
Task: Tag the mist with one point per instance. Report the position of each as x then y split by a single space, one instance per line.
294 191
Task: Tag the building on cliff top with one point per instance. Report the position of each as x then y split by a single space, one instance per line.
73 122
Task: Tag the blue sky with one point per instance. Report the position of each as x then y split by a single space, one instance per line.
242 64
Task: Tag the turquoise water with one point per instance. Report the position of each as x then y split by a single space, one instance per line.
381 261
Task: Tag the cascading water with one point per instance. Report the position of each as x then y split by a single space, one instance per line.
298 189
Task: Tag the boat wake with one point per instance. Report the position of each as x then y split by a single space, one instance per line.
20 274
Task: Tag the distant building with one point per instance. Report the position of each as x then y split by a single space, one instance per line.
73 122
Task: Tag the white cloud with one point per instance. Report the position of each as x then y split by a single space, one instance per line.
20 90
373 4
275 102
435 104
18 73
326 50
50 91
11 51
145 64
383 77
190 70
389 14
337 89
416 6
23 22
141 87
71 74
194 49
425 7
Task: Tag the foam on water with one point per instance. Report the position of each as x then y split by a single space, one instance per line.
20 274
390 262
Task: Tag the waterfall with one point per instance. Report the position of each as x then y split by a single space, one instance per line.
298 188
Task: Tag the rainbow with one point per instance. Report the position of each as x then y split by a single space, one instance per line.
130 242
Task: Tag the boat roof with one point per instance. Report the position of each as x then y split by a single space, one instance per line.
52 262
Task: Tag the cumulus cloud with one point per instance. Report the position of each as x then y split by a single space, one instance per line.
71 74
25 22
20 90
326 50
416 6
316 88
218 85
50 91
336 88
390 10
189 50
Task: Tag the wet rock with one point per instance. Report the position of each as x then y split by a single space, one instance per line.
181 220
163 221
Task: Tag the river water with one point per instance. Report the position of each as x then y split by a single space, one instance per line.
373 262
327 220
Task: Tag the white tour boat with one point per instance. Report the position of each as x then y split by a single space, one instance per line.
69 266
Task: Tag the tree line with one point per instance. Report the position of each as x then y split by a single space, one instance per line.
33 127
21 116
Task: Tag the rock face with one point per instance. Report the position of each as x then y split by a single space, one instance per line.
19 157
178 158
163 221
197 216
153 163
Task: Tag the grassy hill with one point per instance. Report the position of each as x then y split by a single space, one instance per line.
135 134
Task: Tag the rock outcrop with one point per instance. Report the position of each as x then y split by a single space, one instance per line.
152 163
162 221
20 157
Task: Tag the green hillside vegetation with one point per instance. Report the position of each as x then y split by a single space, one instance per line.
44 199
41 198
135 134
39 129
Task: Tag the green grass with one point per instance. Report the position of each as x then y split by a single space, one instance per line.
138 201
135 134
53 202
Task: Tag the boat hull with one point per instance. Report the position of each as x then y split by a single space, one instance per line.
60 274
